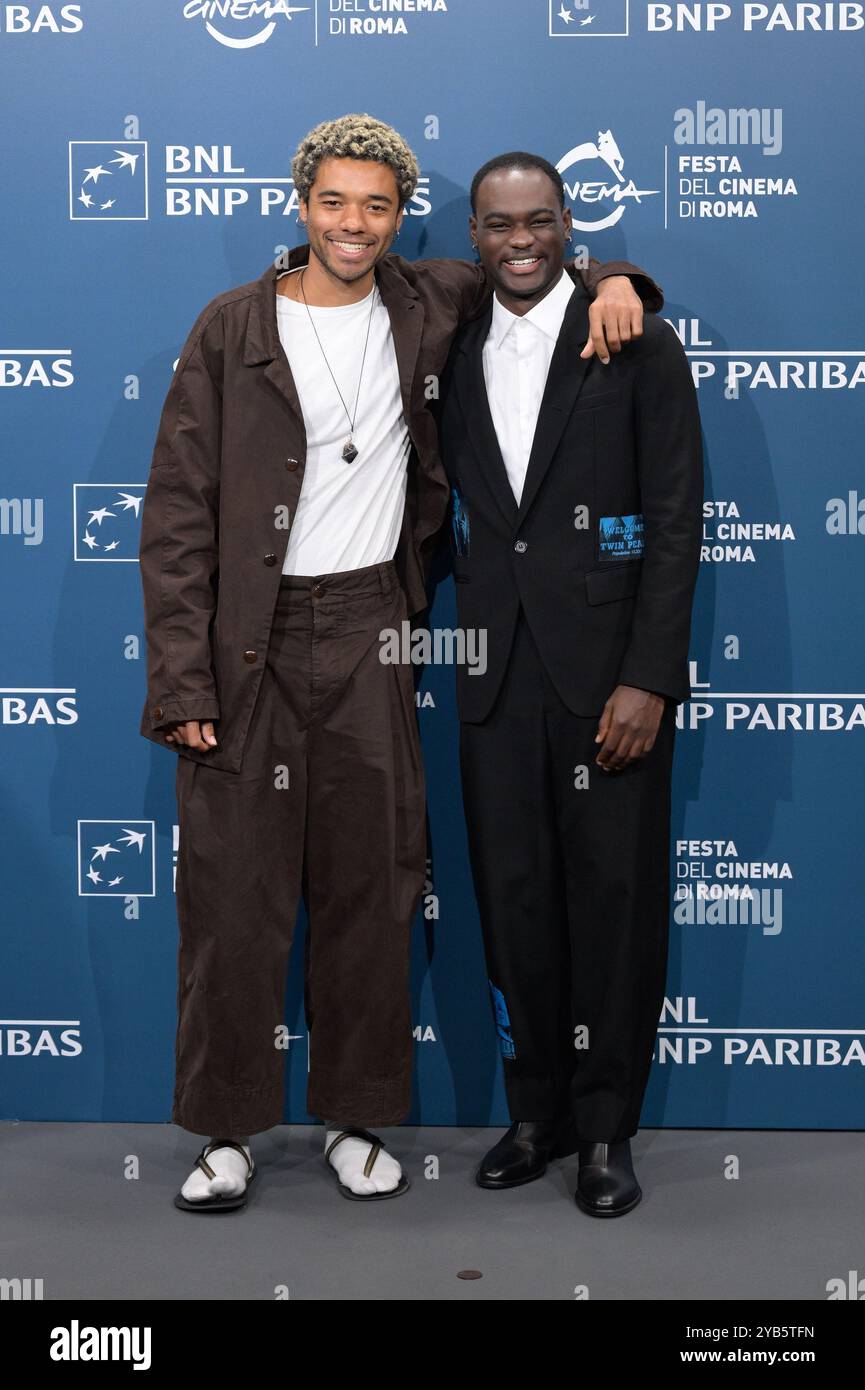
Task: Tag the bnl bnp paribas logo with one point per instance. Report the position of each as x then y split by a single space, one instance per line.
108 180
588 19
116 859
596 184
106 521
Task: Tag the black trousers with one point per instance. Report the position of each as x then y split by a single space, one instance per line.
573 887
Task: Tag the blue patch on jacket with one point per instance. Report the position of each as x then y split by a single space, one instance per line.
620 537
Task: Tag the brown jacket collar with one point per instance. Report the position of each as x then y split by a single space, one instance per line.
262 332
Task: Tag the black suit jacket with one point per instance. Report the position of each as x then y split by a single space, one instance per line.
603 550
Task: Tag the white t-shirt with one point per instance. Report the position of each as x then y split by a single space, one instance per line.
516 358
349 514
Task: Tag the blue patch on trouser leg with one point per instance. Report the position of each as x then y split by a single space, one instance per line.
503 1023
459 524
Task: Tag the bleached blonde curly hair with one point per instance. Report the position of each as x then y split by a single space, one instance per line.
357 136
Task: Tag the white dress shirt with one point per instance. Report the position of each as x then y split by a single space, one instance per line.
516 357
349 514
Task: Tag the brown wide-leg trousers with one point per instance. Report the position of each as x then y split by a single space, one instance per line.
329 803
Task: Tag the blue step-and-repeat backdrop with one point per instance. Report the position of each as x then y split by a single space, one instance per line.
145 168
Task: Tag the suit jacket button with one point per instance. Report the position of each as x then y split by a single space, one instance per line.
250 657
158 712
270 559
291 465
520 547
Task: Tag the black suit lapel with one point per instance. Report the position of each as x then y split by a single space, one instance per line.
564 383
471 387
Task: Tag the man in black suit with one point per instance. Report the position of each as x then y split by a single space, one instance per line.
576 524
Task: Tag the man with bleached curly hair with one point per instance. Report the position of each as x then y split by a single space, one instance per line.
295 498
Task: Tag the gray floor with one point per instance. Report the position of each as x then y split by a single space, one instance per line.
794 1219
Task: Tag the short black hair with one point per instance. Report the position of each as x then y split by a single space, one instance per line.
517 159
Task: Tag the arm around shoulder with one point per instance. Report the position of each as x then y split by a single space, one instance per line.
650 293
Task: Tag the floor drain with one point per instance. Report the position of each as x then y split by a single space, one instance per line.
469 1274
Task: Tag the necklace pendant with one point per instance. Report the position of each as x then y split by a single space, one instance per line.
349 452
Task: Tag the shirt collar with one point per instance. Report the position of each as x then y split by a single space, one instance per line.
547 314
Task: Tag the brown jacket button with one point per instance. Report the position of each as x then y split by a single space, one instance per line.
270 559
250 657
291 465
158 712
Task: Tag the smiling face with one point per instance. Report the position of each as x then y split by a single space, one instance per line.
522 233
352 215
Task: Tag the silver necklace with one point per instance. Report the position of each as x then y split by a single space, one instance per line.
349 451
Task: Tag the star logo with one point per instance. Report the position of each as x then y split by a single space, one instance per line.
588 19
116 858
107 180
110 529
